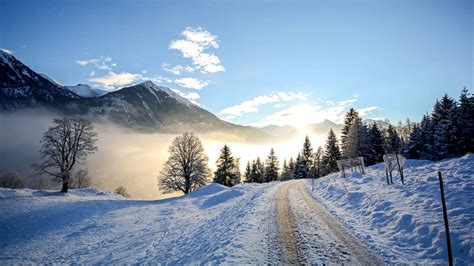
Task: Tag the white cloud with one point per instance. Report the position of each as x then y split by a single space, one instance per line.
195 42
251 106
365 111
92 73
279 105
7 51
191 83
113 81
304 114
102 63
177 70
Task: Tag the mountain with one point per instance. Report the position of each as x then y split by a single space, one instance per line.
324 127
22 87
144 106
85 90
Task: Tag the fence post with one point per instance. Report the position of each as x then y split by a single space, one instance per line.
445 217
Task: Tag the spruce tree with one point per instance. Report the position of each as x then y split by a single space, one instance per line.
331 153
307 158
300 168
394 144
259 171
271 167
227 172
248 173
377 145
286 172
466 122
318 164
350 116
445 127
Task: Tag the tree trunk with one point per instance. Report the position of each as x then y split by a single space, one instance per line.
65 187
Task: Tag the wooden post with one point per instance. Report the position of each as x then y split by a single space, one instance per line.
445 217
399 168
386 173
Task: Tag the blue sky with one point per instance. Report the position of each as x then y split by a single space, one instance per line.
256 62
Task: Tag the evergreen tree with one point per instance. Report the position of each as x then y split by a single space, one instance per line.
357 141
248 173
445 128
350 116
271 167
318 168
377 145
227 173
394 144
301 169
259 171
415 145
331 153
466 122
286 172
306 159
427 148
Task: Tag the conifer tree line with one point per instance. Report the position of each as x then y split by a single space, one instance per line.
448 131
445 133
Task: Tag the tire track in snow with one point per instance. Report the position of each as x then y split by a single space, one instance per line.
286 228
293 242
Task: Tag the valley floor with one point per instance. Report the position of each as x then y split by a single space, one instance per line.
354 220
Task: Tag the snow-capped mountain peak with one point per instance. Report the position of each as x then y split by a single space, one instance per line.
85 90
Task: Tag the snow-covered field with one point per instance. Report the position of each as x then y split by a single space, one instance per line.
213 224
399 223
404 223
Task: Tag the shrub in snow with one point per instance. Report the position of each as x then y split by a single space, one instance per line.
11 180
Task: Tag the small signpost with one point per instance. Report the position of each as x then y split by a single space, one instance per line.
354 164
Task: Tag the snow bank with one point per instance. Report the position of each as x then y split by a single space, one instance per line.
404 223
212 225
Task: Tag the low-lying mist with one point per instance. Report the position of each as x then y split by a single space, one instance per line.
125 157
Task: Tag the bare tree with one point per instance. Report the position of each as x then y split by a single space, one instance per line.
186 168
80 180
122 191
65 144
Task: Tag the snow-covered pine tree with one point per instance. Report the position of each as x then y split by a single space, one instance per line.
445 127
271 167
259 171
466 122
331 153
286 172
427 148
318 167
301 169
248 173
350 116
292 166
377 144
307 158
357 141
415 145
227 172
394 144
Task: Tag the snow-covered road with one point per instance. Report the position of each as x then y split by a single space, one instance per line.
308 234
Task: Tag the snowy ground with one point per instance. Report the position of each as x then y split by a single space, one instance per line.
396 223
404 223
214 224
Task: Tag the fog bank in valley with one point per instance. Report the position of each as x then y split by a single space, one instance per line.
124 157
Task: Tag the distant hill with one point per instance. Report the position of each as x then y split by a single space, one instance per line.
145 106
